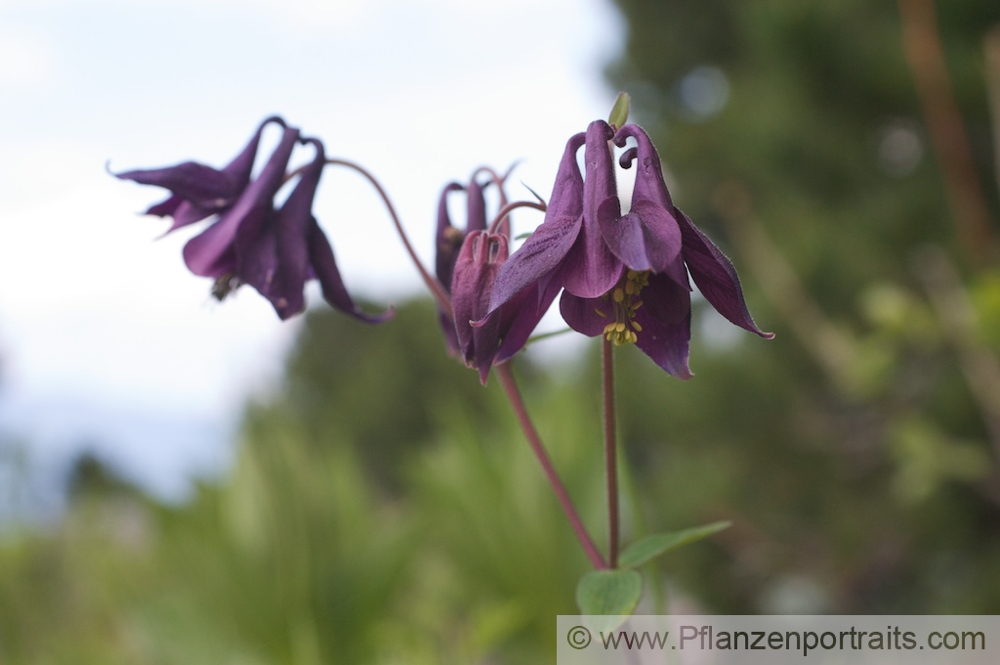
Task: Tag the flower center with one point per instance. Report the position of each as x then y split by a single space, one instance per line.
624 299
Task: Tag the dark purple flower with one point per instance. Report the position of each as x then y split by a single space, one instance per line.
466 264
213 252
279 252
250 242
495 338
449 238
623 276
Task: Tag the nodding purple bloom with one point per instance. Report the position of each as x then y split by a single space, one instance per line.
449 239
280 251
250 242
466 264
623 276
495 338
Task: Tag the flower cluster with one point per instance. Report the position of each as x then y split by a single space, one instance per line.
249 240
622 275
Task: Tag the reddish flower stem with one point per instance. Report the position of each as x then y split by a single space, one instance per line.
610 449
438 291
510 207
514 395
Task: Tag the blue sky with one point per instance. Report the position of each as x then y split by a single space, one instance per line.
106 341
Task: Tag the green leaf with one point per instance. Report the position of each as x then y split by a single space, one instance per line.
614 592
619 112
652 546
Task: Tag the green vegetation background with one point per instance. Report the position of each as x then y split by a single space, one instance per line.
384 508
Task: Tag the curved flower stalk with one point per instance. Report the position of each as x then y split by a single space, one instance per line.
276 251
623 276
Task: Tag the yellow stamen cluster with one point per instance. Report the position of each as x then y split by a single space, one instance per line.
624 300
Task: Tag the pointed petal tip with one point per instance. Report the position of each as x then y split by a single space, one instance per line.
364 317
285 313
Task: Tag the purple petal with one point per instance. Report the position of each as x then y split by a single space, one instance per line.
199 191
520 317
648 238
239 169
589 268
649 184
165 208
567 193
325 266
552 240
238 172
599 185
210 253
448 239
715 276
190 181
540 254
188 213
583 314
475 219
475 271
276 261
665 317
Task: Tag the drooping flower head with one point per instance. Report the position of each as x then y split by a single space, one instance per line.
484 338
624 276
280 252
250 242
467 263
449 239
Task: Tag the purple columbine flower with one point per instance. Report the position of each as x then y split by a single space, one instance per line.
623 276
449 239
466 264
496 336
279 252
250 242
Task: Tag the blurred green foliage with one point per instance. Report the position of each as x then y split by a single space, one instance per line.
384 507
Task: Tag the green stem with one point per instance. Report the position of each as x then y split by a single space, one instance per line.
610 449
531 434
